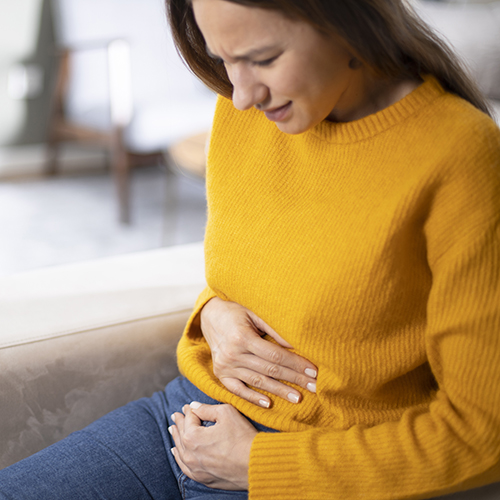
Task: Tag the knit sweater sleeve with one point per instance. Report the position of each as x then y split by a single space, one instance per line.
192 337
453 443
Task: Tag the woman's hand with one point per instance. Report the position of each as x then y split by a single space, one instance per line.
241 356
217 456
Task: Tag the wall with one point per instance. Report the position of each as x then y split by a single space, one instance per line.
26 37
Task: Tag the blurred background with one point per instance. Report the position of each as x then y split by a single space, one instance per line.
103 129
102 133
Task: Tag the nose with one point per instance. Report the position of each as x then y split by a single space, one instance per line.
247 89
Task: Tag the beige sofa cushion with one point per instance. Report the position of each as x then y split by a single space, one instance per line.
78 341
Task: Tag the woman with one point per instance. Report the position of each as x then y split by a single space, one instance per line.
352 315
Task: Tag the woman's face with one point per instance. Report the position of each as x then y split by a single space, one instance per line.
285 68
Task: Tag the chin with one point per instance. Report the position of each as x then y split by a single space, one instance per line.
293 128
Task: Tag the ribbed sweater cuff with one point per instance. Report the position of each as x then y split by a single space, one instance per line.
194 320
275 466
192 332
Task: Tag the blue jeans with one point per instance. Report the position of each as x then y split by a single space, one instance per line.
124 455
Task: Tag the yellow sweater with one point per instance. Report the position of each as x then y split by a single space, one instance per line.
373 247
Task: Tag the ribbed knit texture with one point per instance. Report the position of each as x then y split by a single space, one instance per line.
373 247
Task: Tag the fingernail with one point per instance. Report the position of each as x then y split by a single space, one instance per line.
194 405
172 417
311 373
170 430
293 397
172 450
311 387
264 403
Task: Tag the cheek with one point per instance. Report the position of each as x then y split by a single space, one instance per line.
291 80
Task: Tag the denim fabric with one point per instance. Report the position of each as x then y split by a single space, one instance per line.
124 455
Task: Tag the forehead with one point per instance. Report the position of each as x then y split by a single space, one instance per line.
225 24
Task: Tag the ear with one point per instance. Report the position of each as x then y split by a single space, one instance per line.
355 63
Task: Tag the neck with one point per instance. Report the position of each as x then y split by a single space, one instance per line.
367 94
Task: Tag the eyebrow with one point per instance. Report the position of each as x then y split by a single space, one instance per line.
243 57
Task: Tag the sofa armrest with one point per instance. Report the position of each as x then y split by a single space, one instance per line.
78 341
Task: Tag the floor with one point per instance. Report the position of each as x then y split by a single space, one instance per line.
45 222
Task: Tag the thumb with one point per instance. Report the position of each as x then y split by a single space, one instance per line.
264 327
204 412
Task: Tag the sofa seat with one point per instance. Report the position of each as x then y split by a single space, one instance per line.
80 340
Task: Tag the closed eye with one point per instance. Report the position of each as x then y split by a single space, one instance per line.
266 62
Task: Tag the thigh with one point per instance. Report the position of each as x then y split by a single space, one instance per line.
120 456
123 455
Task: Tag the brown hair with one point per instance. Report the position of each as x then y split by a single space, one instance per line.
387 35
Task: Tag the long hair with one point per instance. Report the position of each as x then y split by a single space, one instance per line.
387 35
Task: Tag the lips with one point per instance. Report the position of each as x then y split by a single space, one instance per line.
278 114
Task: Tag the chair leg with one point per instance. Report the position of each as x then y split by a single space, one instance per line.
121 172
57 112
51 166
171 207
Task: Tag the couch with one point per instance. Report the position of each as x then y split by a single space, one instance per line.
77 341
80 340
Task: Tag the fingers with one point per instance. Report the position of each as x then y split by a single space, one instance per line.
183 423
187 422
275 364
178 420
281 364
178 458
241 357
196 412
281 357
264 327
253 352
217 456
240 389
188 418
259 381
258 371
268 384
258 363
178 433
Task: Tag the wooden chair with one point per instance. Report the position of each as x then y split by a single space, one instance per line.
62 129
190 155
152 100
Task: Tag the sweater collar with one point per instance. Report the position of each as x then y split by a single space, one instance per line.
376 123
